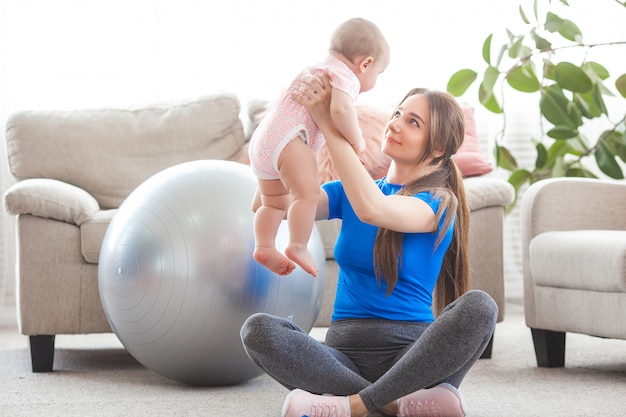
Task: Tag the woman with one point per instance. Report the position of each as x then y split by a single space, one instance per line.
402 238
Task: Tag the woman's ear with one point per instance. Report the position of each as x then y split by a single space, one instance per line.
364 63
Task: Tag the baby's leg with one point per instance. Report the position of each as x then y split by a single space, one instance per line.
297 166
274 202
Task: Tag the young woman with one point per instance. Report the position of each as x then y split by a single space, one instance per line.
402 249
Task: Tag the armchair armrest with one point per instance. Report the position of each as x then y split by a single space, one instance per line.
44 197
573 204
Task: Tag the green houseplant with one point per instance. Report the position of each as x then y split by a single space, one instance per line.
572 93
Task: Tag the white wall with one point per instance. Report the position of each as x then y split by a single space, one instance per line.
70 54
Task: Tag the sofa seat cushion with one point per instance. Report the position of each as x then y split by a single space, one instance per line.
590 260
92 233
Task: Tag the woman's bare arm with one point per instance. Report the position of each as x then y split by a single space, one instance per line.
401 213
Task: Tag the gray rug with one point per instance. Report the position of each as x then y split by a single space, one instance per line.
95 377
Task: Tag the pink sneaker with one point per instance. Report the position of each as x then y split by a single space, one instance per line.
300 403
444 400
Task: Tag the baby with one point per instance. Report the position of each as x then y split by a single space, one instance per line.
282 148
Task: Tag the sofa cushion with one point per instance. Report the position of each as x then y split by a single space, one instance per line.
569 259
44 197
109 152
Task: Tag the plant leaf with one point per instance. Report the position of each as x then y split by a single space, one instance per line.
518 178
549 69
578 146
523 78
516 48
593 68
487 49
542 156
566 28
620 84
607 163
488 100
501 52
615 143
485 92
572 78
585 104
598 100
555 108
553 22
562 132
555 153
597 73
570 31
540 43
580 172
504 159
523 15
460 82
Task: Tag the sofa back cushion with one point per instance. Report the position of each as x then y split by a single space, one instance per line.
109 152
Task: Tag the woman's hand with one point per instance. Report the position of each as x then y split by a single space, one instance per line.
314 94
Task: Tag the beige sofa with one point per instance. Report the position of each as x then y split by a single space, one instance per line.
574 262
74 168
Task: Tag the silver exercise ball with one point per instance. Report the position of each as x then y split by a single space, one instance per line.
177 278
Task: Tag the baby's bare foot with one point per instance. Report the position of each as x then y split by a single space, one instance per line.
301 256
273 260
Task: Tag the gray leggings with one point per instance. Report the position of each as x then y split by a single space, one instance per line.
379 359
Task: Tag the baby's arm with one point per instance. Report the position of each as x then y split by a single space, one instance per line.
346 120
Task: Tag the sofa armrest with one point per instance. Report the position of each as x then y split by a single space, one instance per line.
44 197
485 191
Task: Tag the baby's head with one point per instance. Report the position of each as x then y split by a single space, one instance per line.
361 43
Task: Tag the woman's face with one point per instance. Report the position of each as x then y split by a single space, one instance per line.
408 131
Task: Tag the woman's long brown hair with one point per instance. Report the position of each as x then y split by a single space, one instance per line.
447 127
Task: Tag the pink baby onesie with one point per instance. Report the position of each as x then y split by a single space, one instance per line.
290 120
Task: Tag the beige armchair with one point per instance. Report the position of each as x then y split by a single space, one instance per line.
74 168
574 262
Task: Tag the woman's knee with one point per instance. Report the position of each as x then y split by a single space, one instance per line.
478 305
483 305
255 329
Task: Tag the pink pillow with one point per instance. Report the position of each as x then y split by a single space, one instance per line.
469 158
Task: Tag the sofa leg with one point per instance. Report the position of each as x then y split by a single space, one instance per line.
42 352
487 353
549 348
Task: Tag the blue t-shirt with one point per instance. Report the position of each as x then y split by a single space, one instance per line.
359 293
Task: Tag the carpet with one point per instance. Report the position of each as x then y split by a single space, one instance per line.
95 376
